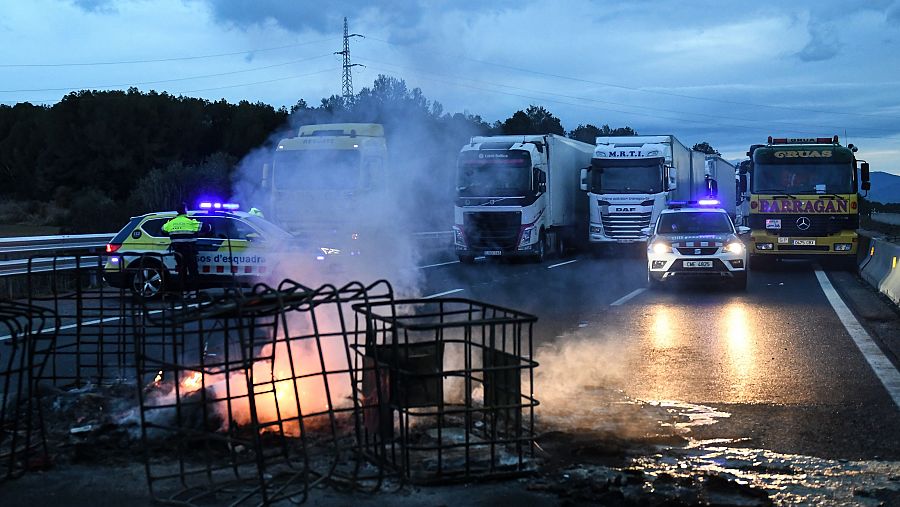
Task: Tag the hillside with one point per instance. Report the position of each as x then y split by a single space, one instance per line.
885 187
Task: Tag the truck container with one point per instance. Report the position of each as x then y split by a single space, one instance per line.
518 195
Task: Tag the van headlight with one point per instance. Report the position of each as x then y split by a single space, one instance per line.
735 247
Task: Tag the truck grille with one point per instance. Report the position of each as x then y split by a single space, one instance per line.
492 230
819 225
625 225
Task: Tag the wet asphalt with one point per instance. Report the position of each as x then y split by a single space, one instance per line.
775 358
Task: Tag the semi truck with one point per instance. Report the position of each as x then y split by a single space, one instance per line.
724 176
322 182
803 199
632 178
517 195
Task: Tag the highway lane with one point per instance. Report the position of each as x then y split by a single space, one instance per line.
776 358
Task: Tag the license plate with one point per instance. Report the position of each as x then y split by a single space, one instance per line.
783 241
625 241
493 252
804 242
698 264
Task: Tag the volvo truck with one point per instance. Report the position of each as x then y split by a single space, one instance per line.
632 178
517 196
804 199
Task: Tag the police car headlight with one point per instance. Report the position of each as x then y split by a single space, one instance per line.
735 248
660 248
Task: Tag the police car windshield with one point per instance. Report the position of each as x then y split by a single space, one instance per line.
694 222
271 230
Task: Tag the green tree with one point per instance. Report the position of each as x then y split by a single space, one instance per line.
534 120
704 147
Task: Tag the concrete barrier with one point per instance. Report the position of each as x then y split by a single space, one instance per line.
880 267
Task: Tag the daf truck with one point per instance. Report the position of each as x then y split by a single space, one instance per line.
517 196
804 199
632 178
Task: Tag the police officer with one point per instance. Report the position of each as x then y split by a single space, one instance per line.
182 232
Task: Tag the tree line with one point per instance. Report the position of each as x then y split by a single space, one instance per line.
95 158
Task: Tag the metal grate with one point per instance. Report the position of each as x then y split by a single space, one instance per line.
492 230
624 225
446 388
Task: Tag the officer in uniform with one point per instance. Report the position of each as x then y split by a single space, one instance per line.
182 232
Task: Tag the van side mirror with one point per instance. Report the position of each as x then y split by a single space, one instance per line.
584 179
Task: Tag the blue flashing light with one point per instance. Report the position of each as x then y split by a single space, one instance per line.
231 206
205 205
708 202
215 205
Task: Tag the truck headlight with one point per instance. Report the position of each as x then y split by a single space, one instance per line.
735 247
660 248
526 236
458 237
596 229
765 246
842 247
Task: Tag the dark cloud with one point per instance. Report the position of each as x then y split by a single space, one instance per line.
823 44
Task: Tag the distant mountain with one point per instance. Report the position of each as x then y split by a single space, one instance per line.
885 187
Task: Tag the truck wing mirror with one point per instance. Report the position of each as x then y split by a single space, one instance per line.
743 229
864 176
266 176
645 231
584 179
742 183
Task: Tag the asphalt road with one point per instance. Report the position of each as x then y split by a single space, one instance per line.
776 359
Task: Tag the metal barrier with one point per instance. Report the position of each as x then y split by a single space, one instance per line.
441 388
23 443
249 393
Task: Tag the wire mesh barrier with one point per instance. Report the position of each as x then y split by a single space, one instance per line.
254 395
446 388
249 394
24 348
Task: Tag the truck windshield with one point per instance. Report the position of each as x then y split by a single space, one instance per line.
316 170
803 178
626 177
694 222
494 173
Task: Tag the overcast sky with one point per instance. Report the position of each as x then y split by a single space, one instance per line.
730 73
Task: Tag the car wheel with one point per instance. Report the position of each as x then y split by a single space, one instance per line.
466 259
148 280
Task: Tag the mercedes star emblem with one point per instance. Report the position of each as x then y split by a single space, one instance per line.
803 223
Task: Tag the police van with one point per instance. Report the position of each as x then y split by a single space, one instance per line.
232 248
696 240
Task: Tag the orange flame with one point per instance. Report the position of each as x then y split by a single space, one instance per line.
193 382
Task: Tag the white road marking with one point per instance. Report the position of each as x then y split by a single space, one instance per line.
562 264
438 264
439 294
628 297
881 365
95 322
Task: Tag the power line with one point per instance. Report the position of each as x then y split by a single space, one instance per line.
643 90
347 76
158 60
166 80
707 115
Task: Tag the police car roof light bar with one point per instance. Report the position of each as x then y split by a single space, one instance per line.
205 205
708 202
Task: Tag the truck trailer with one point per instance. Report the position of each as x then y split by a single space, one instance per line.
632 178
517 196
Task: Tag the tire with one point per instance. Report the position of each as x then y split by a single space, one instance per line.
541 254
466 259
150 279
561 246
739 282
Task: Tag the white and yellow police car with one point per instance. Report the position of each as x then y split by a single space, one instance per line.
696 240
232 247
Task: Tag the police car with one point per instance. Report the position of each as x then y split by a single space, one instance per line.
696 240
232 247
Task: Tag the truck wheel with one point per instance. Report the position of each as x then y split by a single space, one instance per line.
541 254
466 259
561 246
149 279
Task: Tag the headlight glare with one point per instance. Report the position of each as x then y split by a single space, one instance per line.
735 247
661 248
